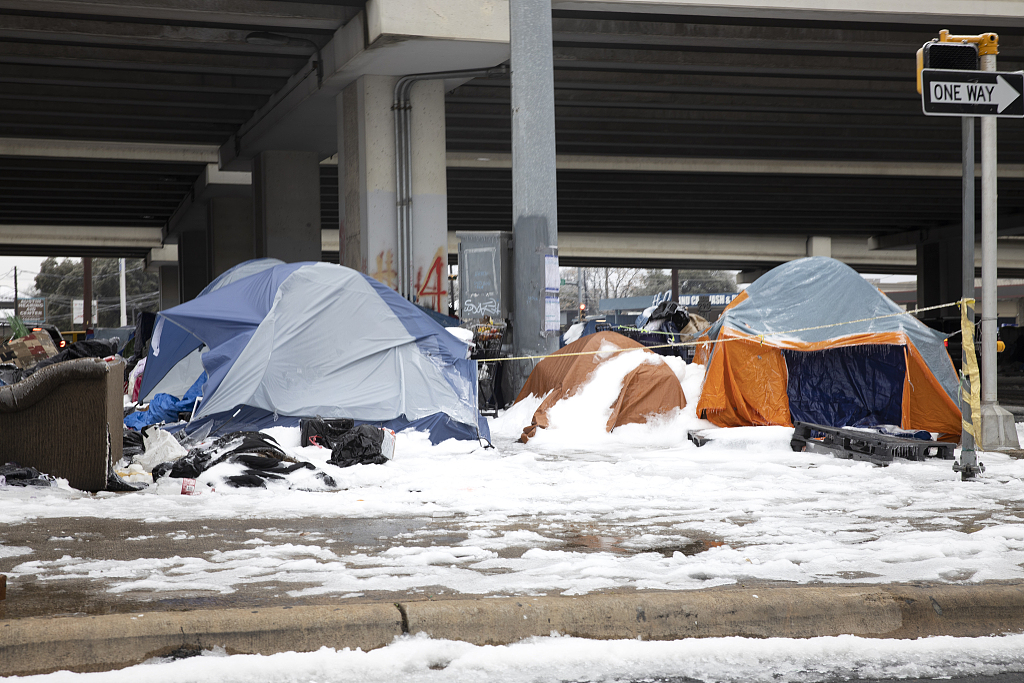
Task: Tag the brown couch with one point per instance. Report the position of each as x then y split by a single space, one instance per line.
66 420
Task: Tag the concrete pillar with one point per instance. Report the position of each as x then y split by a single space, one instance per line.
366 185
170 295
230 233
193 264
286 205
938 277
819 245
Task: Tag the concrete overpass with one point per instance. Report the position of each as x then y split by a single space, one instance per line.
719 134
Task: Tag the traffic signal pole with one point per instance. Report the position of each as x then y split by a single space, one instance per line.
951 84
968 465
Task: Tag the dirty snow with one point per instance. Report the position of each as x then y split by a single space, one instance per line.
555 659
578 510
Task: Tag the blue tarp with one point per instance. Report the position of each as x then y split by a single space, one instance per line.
165 408
857 386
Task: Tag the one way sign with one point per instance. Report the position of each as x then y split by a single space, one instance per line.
946 92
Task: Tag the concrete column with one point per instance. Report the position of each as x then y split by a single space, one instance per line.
939 281
534 205
286 205
366 185
170 295
230 234
193 264
818 245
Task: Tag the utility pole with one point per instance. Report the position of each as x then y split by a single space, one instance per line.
15 291
124 310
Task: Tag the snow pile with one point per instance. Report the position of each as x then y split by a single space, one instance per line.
555 659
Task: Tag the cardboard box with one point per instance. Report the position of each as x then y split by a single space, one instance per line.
27 351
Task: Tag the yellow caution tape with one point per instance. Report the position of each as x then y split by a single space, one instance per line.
972 393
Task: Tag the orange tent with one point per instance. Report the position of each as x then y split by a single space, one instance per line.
813 341
648 389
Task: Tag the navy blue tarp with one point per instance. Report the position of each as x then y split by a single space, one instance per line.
859 386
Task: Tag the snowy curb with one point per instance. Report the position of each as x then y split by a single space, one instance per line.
41 645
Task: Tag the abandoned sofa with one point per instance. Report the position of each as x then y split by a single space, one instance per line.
60 420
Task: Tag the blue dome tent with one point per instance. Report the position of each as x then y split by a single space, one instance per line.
303 339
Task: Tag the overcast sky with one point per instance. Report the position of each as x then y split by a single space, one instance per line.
27 266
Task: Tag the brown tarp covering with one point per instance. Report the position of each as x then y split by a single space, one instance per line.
647 390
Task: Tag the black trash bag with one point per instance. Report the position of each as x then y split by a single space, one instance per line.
317 431
16 475
132 444
360 446
273 465
249 442
246 481
188 466
116 483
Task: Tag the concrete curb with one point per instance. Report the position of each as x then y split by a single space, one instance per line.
42 645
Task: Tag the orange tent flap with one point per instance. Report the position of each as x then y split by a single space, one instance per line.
926 405
647 390
563 367
745 384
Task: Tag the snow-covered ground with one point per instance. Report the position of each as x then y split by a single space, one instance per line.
573 511
558 659
577 510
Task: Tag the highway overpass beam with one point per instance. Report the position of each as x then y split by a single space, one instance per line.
367 185
286 205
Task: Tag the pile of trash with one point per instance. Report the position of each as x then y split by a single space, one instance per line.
248 459
14 474
669 328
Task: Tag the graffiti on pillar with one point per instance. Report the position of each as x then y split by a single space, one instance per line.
385 272
434 286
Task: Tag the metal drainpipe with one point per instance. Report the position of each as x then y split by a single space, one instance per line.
403 162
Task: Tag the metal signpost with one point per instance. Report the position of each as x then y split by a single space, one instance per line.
968 92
